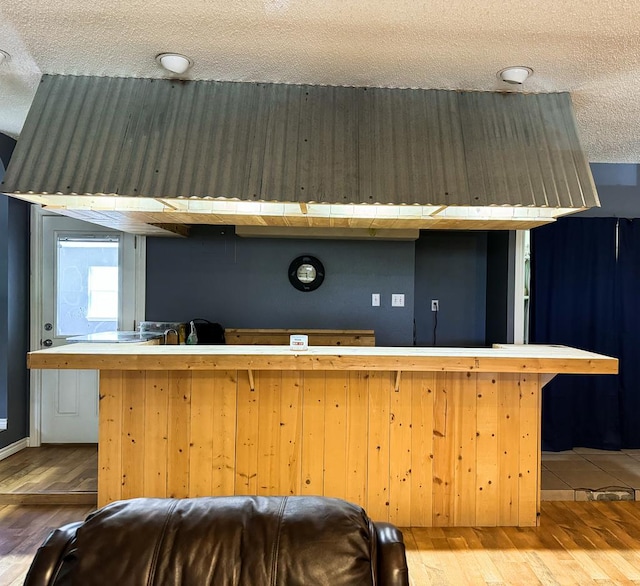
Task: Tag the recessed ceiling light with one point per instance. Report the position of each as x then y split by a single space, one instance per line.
4 57
174 62
515 75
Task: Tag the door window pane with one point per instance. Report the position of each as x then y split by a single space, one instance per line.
87 285
103 294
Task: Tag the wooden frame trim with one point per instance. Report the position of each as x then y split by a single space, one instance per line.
533 359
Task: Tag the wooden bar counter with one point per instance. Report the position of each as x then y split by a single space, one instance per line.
417 436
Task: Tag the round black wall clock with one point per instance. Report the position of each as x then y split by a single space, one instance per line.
306 273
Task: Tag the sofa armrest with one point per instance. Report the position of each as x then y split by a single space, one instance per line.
392 561
46 566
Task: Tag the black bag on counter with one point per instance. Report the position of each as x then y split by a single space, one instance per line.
207 332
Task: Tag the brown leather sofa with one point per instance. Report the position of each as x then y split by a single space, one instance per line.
223 541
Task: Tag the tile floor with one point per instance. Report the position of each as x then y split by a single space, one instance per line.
585 474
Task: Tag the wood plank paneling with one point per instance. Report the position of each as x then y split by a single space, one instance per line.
269 431
133 426
380 386
444 416
201 443
400 468
357 437
313 431
290 440
462 391
422 426
529 456
163 223
508 448
110 436
444 449
487 450
178 448
156 432
335 435
247 437
224 432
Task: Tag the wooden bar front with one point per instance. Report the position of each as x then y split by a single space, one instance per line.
458 446
444 449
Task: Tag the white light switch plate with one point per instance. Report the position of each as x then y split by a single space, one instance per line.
375 299
397 300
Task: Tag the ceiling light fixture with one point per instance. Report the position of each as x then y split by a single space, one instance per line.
4 57
515 75
174 62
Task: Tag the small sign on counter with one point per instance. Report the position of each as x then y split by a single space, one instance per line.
299 342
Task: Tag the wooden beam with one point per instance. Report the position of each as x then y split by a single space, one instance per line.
178 229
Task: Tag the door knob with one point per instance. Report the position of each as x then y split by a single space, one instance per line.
47 343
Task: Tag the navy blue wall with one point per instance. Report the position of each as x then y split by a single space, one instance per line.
243 283
452 268
499 314
14 309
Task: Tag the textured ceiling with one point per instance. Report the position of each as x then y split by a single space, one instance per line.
590 48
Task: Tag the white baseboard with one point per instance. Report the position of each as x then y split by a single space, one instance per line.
13 448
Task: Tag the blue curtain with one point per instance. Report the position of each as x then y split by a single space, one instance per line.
629 327
574 301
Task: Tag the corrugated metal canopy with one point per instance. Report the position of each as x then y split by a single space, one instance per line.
295 143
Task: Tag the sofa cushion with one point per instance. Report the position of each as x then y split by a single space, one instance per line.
231 541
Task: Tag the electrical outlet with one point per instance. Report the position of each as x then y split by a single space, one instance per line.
375 299
435 305
397 300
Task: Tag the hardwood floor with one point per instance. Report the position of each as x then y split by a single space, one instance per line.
581 543
578 543
50 474
23 529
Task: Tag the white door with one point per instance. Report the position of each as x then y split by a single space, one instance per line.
87 284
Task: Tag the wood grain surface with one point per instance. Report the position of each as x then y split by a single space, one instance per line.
444 449
316 337
528 358
50 475
417 436
585 543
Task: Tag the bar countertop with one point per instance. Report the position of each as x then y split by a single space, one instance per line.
118 337
500 358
